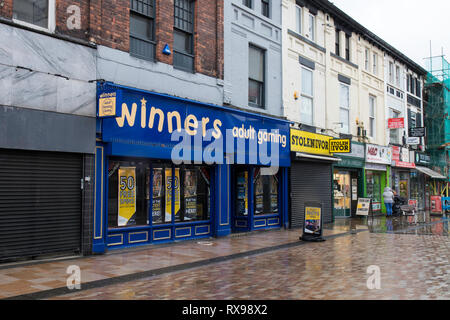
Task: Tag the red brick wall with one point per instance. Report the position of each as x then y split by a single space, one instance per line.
62 16
207 31
6 8
164 29
106 22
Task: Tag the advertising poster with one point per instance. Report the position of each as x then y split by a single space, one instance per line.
259 194
127 196
190 195
157 195
242 193
172 182
363 207
274 194
168 184
312 220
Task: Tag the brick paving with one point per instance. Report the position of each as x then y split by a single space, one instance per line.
412 267
413 257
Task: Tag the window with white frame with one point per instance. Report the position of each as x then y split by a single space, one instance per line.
366 60
397 76
372 113
298 19
394 134
375 65
391 72
307 97
35 13
345 109
312 27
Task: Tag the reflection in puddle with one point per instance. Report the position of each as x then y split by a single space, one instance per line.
421 224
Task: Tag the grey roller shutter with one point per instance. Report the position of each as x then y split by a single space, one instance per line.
40 203
309 181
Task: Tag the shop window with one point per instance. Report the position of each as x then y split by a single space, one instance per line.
128 195
168 193
195 194
242 193
265 193
373 183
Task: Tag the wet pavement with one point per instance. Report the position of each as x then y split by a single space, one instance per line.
412 254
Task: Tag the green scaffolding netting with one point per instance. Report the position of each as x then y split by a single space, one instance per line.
437 109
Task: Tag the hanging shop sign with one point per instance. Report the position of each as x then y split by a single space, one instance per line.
363 207
417 132
378 154
422 158
340 146
400 158
307 142
127 196
396 123
412 141
312 224
107 104
167 127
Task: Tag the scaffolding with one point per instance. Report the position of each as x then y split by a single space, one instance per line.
437 116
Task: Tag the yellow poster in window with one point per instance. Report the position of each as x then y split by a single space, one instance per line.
127 196
174 183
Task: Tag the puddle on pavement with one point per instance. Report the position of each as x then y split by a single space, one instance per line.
420 224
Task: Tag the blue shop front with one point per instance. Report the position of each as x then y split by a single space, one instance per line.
170 169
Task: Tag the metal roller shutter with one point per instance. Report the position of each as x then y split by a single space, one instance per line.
40 203
310 182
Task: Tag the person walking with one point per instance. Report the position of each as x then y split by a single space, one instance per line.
388 196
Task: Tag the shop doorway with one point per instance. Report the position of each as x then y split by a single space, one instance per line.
241 221
345 193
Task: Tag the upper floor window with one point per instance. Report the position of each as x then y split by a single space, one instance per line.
347 47
36 13
312 27
397 76
247 3
345 109
307 103
298 19
337 40
391 72
142 28
183 39
375 65
366 59
372 112
265 8
256 85
418 88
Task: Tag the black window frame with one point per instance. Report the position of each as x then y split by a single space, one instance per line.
184 26
248 3
347 47
263 83
265 8
135 5
337 43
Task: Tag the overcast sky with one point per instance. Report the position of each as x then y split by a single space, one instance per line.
407 25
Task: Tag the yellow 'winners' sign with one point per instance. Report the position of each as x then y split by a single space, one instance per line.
127 196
